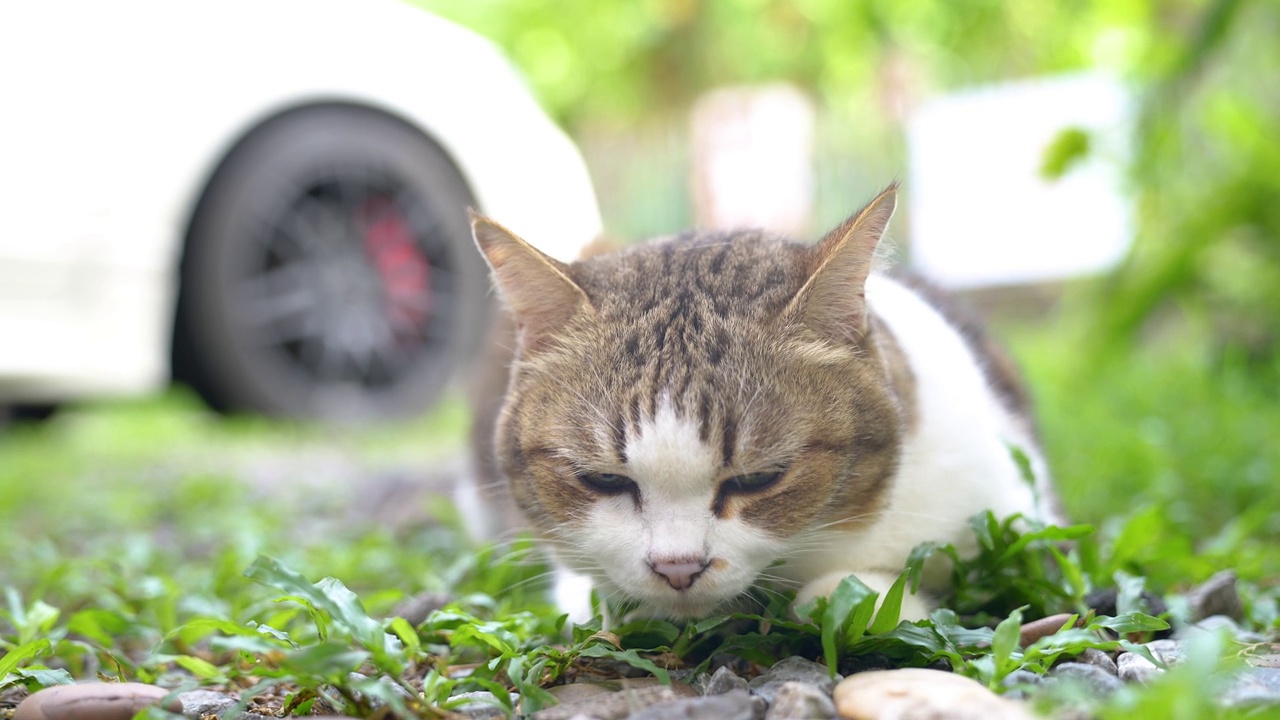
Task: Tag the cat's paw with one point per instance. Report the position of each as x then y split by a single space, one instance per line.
572 593
914 607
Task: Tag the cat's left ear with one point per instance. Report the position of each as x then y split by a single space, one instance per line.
536 287
832 303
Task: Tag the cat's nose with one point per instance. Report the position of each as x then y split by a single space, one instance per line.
679 573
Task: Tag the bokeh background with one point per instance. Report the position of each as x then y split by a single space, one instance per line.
1156 379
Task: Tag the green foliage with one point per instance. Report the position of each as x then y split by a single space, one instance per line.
195 579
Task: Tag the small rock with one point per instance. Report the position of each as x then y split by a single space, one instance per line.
1254 686
1216 596
800 701
792 669
1044 627
198 703
1017 681
1168 652
733 705
722 681
921 694
1266 660
609 705
1135 668
93 701
1098 659
1215 624
1091 675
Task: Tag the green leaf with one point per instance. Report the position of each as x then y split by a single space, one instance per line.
200 667
407 634
1131 622
10 660
38 678
840 607
1004 642
629 657
890 607
327 660
1067 149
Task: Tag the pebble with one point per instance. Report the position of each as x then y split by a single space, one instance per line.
792 669
1218 595
1018 681
722 681
1043 627
1098 659
1254 686
607 705
1135 668
1168 652
1091 675
92 701
921 694
732 705
800 701
198 703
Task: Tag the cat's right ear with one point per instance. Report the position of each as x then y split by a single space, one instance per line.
536 287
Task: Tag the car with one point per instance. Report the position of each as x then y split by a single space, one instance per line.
265 199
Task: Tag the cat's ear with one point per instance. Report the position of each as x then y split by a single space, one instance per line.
536 287
832 303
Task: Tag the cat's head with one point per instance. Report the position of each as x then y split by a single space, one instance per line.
683 414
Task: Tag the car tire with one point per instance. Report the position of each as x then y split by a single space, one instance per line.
329 271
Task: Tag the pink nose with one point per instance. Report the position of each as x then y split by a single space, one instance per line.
679 572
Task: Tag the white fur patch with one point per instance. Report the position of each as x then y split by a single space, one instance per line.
676 474
667 457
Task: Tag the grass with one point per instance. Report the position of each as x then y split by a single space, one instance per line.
149 540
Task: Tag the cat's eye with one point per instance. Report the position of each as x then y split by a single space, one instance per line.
751 482
607 483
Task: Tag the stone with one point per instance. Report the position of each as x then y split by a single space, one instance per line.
1215 624
1017 683
1267 659
722 681
1044 627
1095 677
1253 686
800 701
921 694
1135 668
1169 652
1218 595
792 669
732 705
93 701
1098 659
609 705
198 703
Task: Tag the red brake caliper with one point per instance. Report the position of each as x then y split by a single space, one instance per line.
405 271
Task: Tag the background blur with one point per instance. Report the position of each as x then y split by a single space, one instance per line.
1156 373
1157 381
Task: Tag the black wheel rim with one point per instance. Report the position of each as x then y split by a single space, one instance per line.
348 280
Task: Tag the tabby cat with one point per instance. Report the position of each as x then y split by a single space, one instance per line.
690 417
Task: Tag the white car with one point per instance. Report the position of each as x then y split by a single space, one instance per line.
262 198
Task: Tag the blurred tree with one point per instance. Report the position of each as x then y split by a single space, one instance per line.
592 59
1207 178
1206 174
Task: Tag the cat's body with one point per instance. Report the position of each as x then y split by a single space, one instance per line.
688 417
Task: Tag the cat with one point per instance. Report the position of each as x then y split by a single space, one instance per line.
687 418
